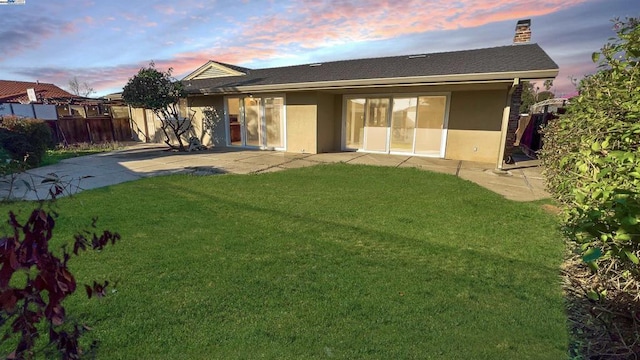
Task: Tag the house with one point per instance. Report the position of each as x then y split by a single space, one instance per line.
457 105
17 92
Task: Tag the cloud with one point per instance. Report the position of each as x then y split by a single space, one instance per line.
327 22
97 78
19 34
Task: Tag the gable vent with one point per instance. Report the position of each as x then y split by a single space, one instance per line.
212 72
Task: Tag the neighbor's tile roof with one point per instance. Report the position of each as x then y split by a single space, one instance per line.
16 91
504 59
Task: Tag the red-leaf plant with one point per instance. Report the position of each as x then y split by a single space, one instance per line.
48 283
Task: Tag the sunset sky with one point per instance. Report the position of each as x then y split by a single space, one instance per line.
104 43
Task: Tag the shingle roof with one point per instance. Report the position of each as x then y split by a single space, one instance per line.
16 91
505 59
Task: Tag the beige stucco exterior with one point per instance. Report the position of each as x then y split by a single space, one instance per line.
314 119
475 118
215 136
301 122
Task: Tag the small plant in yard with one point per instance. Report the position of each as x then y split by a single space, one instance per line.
592 161
34 283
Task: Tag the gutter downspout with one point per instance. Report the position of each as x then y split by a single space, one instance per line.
505 124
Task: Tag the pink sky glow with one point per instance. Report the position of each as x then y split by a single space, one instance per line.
105 43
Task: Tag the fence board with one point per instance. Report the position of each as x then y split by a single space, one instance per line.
93 130
73 130
100 129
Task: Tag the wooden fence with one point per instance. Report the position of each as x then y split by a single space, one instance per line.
90 130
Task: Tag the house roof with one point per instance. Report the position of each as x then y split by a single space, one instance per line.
16 91
524 61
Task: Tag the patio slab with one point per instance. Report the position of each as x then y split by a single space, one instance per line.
380 160
520 183
335 157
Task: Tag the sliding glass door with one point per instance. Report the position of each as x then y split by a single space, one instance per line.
430 124
376 125
255 122
274 122
396 124
252 120
403 123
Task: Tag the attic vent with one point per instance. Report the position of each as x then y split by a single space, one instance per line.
318 64
212 72
417 56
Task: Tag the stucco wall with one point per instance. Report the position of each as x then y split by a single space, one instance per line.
302 111
137 124
314 119
197 105
475 118
326 123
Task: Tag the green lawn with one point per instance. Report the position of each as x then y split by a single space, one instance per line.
54 156
333 261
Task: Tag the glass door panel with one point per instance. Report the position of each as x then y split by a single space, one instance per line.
355 123
403 123
430 122
274 121
233 110
376 124
252 120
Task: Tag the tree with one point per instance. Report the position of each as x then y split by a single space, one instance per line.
531 94
528 96
159 92
80 89
545 95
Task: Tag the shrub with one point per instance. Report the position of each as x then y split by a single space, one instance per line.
591 157
34 282
25 139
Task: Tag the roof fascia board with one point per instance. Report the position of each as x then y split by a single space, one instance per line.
399 81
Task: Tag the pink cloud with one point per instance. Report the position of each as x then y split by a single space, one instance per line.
331 22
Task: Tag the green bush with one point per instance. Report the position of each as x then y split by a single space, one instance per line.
25 139
591 157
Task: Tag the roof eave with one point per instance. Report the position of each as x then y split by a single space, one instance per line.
387 82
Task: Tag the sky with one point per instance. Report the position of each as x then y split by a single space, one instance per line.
104 43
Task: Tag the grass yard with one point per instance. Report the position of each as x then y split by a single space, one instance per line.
54 156
333 261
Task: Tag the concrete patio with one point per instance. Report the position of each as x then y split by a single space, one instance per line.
520 182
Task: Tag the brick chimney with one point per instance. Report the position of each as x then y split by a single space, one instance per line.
523 32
